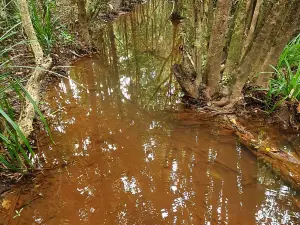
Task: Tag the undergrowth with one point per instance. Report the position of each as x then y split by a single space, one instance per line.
285 83
44 22
16 153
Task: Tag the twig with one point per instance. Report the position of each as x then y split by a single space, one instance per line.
256 99
13 206
74 53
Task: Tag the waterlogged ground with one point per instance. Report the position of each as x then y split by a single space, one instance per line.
126 152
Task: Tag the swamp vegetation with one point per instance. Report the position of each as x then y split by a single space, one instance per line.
133 112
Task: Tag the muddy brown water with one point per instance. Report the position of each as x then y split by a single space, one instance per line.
124 154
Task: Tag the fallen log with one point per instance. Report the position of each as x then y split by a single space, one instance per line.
283 164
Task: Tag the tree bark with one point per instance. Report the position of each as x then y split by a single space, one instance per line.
215 50
30 32
199 39
33 84
252 26
284 164
83 19
284 34
236 45
261 30
262 44
186 81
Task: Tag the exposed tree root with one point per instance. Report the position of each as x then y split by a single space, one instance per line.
186 77
222 102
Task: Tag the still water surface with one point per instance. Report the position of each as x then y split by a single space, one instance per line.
121 164
126 152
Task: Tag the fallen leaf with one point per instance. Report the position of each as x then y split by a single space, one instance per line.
37 185
268 149
6 204
233 121
298 108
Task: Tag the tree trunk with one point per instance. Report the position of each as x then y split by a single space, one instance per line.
33 84
262 44
215 50
252 26
199 38
280 41
82 16
30 32
261 29
236 46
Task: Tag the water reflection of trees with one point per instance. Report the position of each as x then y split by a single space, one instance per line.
157 160
141 47
148 169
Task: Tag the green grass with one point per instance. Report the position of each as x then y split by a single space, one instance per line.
285 84
44 23
290 54
11 11
16 153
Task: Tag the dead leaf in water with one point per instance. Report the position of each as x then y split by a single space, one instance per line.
233 121
37 186
216 175
6 204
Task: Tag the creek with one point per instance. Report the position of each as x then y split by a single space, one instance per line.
126 152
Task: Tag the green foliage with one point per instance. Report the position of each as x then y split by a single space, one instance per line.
44 23
291 54
285 84
16 153
9 13
65 37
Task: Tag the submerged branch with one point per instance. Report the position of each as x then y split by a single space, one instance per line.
284 164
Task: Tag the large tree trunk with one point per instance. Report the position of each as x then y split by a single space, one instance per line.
252 26
83 19
246 35
235 47
280 41
42 63
215 51
267 39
